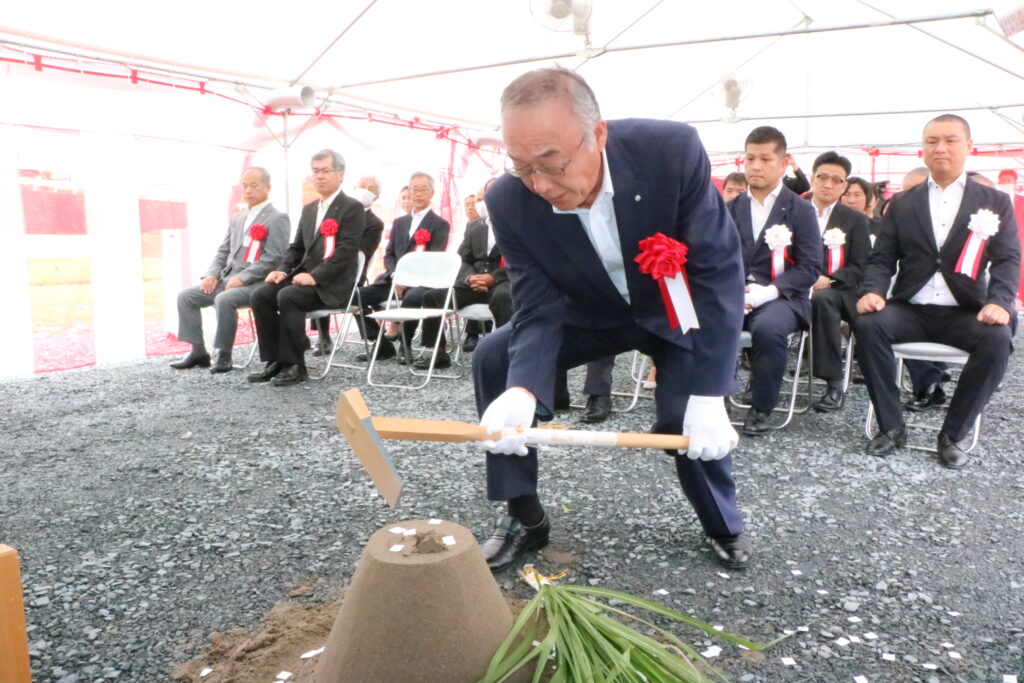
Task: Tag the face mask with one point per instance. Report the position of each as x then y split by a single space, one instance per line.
363 196
481 209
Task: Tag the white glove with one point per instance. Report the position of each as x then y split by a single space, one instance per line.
514 408
760 295
707 424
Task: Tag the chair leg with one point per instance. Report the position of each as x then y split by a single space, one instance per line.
255 343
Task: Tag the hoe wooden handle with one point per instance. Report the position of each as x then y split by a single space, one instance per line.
14 665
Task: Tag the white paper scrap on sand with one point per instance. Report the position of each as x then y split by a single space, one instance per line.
397 530
311 653
854 620
860 679
803 629
409 532
712 651
284 675
929 666
796 572
397 548
948 646
889 657
205 672
854 639
822 591
723 575
789 661
448 540
871 635
1009 678
434 521
842 642
661 591
954 655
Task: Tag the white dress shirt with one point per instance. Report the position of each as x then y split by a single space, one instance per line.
824 216
603 230
321 208
490 236
943 205
253 212
417 218
759 212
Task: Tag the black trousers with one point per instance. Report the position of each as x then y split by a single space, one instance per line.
989 347
829 307
498 299
372 296
280 313
598 381
708 485
770 326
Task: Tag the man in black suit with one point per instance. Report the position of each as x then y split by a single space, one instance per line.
845 250
420 230
482 280
366 193
944 236
782 257
318 271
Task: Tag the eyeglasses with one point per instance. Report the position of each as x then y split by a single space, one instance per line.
834 179
323 171
419 190
546 171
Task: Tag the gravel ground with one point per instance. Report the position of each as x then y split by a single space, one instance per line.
153 507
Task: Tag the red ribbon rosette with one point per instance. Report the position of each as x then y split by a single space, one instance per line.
328 228
257 233
664 258
421 237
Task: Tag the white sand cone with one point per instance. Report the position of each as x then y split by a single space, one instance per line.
421 607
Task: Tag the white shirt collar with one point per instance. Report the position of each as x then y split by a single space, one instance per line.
418 216
606 192
961 181
774 194
324 204
255 210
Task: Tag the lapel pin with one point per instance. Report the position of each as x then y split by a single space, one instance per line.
637 198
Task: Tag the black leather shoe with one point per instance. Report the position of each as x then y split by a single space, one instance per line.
511 540
950 453
733 552
598 408
831 401
932 395
266 374
323 347
387 350
443 361
469 345
756 423
192 360
222 364
404 356
887 442
290 375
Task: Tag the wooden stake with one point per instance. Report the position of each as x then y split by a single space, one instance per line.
14 664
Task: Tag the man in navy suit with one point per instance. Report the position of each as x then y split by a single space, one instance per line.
580 196
956 247
421 228
781 256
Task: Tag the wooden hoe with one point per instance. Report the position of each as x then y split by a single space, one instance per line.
365 434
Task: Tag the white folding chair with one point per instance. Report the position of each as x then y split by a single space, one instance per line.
342 319
480 313
433 269
255 340
638 365
928 351
803 342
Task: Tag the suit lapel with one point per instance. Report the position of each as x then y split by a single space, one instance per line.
745 224
923 213
630 201
958 231
778 214
568 233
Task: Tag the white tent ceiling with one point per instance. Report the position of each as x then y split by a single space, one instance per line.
799 82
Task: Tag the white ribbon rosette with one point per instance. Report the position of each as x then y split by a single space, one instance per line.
778 237
984 224
835 242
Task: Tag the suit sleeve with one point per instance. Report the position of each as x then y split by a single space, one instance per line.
390 258
372 236
858 248
272 251
439 235
805 251
466 254
297 249
221 259
882 261
1004 257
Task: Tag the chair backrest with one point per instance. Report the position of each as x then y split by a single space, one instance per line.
434 269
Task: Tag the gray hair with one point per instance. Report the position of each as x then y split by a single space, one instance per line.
375 179
337 161
421 174
264 174
540 85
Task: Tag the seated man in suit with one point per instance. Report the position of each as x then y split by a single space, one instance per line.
482 280
366 193
590 213
944 235
318 271
421 230
252 247
782 257
845 250
733 186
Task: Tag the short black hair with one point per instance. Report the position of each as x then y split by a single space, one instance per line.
865 186
735 177
765 134
834 159
950 118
